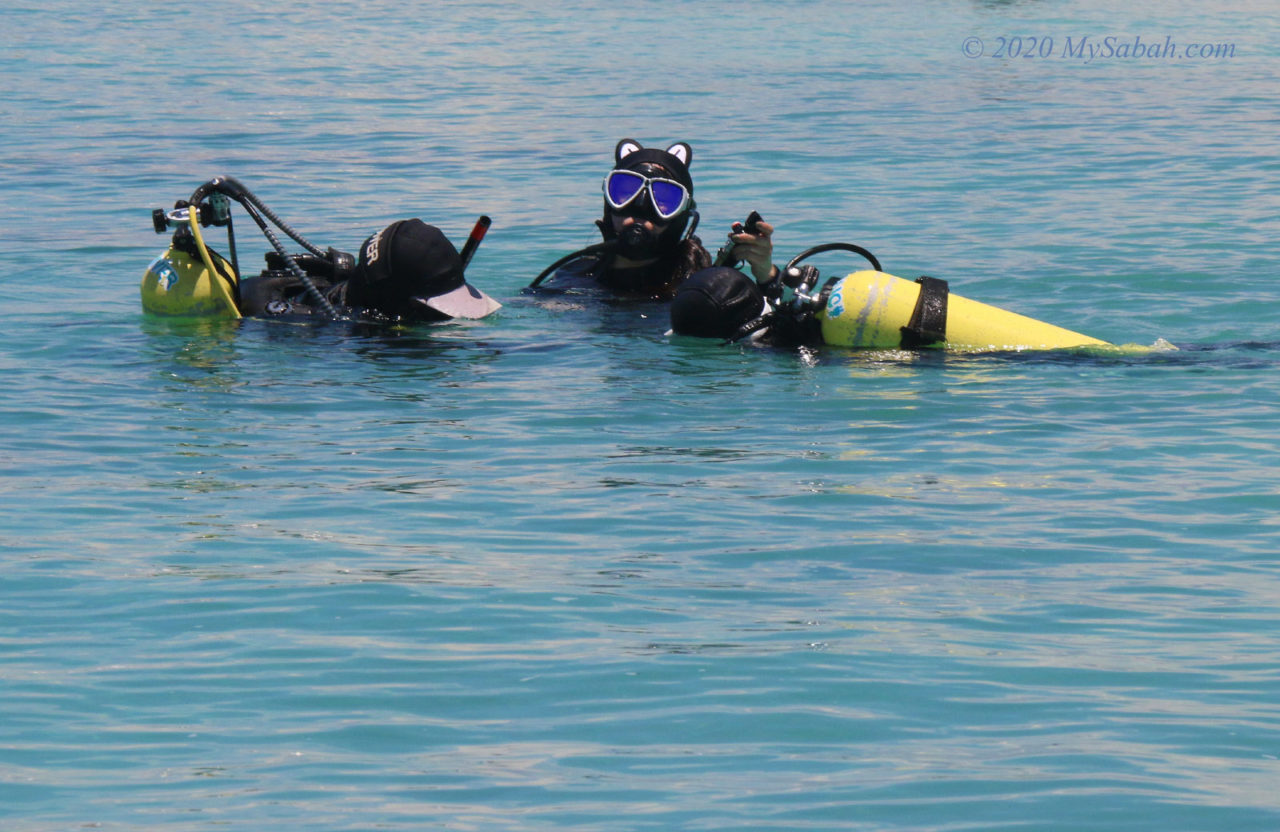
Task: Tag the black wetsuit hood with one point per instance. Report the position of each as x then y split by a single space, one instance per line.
672 163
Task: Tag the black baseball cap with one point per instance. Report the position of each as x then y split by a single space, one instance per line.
412 263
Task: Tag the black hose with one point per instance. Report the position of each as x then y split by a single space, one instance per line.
752 326
591 249
297 271
232 187
809 252
231 244
242 193
694 225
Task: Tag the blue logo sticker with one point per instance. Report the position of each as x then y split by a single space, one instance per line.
166 274
835 303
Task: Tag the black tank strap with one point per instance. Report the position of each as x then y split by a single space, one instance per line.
928 324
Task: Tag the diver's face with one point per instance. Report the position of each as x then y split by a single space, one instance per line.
639 229
621 222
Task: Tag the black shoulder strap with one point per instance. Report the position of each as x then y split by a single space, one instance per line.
928 324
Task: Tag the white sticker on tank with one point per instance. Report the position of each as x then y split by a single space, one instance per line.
835 301
166 274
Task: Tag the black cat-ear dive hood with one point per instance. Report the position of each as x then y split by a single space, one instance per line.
672 163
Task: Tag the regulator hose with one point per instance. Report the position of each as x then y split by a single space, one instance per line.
231 187
294 268
859 250
596 248
752 326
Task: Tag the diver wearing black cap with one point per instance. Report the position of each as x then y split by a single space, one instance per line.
407 272
723 302
649 247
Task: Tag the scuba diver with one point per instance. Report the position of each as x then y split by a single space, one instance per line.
714 302
649 246
722 302
792 307
650 252
407 272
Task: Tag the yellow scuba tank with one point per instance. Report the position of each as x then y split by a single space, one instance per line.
874 309
190 279
176 284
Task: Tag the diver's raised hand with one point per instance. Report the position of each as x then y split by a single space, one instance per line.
754 244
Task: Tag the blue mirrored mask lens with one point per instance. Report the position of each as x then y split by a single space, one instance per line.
622 186
668 197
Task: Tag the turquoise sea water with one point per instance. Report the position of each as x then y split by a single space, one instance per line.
554 570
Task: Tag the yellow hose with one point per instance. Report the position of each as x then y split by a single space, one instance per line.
193 219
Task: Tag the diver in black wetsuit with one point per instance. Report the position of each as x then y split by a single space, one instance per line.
649 247
722 302
407 272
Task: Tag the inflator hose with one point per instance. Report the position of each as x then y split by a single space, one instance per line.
856 249
297 271
193 220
